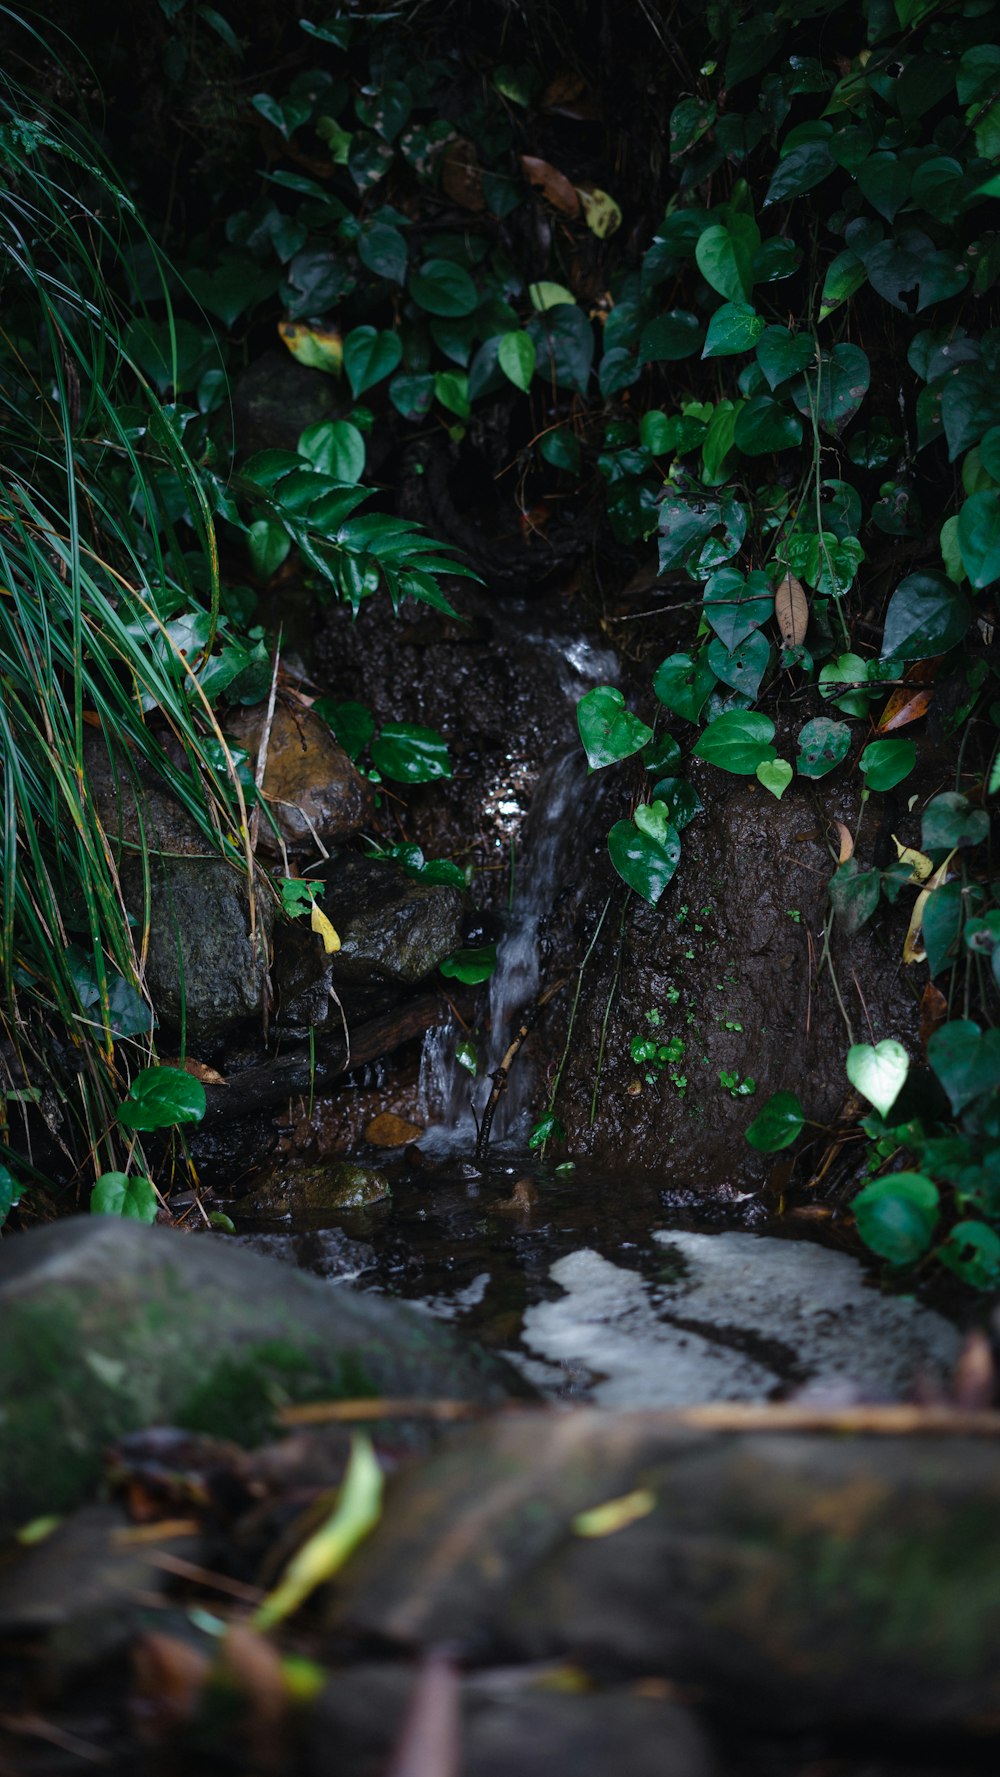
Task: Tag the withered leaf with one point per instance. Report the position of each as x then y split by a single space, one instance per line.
846 842
909 701
461 175
791 610
555 186
199 1070
933 1013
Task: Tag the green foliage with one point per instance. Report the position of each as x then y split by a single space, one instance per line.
118 1194
160 1098
473 965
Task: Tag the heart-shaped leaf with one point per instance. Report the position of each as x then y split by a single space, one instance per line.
737 741
966 1061
159 1097
775 775
683 802
777 1123
735 606
879 1072
972 1251
683 683
608 730
745 666
653 819
951 820
885 763
116 1194
645 864
823 743
896 1216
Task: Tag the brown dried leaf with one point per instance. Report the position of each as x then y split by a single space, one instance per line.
389 1131
461 175
553 185
933 1013
846 842
911 700
791 610
199 1070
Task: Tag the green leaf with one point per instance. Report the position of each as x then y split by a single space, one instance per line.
725 257
744 666
683 524
775 775
268 543
803 167
369 356
966 1061
834 390
682 683
472 965
546 295
608 730
951 820
680 799
548 1128
516 358
561 448
854 895
383 250
737 741
10 1193
822 745
777 1124
927 615
885 763
896 1216
979 537
782 354
669 337
735 606
941 925
878 1072
644 863
451 388
885 181
972 1251
442 287
335 447
352 723
564 342
410 755
412 395
764 425
116 1194
159 1097
844 276
735 327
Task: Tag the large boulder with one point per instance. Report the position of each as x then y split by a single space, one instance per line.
315 794
207 959
392 929
110 1327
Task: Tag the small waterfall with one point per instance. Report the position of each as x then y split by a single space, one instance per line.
545 862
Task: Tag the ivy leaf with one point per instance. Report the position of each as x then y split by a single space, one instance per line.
682 802
471 965
725 255
682 524
972 1251
966 1060
979 537
885 763
335 447
823 743
735 606
737 741
117 1194
369 356
896 1216
410 755
159 1097
782 354
854 895
383 250
268 543
735 327
835 389
682 683
804 166
644 863
671 336
950 821
777 1124
764 425
608 730
878 1072
742 667
516 357
844 276
442 287
775 775
927 615
352 723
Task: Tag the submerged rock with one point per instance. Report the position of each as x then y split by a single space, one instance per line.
314 792
310 1190
110 1327
733 1317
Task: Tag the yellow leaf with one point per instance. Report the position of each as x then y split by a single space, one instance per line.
615 1514
913 943
357 1511
321 348
920 864
320 924
602 213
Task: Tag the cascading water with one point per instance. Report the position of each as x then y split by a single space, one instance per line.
544 864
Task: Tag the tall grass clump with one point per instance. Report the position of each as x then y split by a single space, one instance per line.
109 623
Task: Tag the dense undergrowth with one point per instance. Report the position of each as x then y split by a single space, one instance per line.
758 318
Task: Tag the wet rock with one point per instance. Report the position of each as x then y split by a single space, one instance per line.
391 928
276 398
207 961
510 1722
325 1252
110 1327
315 1190
226 1150
812 1578
302 976
733 1316
314 792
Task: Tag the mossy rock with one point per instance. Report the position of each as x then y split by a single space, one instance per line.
110 1327
334 1185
